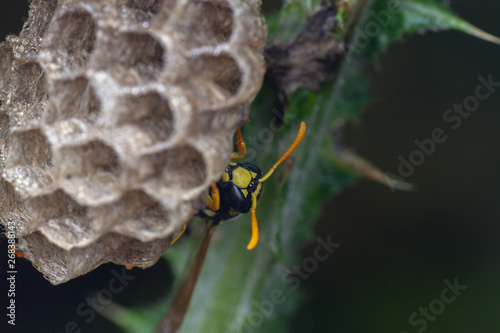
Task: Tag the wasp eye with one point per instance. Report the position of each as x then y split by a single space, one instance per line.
238 200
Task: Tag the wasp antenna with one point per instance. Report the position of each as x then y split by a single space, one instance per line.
255 227
287 153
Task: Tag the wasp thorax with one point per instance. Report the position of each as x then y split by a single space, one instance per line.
116 116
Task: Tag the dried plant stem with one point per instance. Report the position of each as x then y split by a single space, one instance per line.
172 320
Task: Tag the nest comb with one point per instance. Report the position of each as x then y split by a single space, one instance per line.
116 117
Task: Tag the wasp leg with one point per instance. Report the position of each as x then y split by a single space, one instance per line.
19 254
241 146
213 200
179 234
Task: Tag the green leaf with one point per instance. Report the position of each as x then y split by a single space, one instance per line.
427 14
386 21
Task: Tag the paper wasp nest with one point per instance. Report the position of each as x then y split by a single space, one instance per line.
116 117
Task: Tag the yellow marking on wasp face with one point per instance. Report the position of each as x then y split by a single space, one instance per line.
209 212
254 175
225 177
232 212
245 192
241 177
232 163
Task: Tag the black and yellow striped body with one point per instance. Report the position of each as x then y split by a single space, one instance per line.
238 182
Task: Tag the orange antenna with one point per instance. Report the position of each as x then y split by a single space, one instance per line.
255 227
287 153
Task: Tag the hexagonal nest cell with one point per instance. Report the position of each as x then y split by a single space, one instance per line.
28 90
143 121
75 98
90 173
214 23
215 88
115 118
30 96
71 49
28 163
185 165
131 58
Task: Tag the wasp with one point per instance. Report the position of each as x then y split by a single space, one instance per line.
236 193
240 188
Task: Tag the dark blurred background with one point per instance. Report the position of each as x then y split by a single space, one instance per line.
397 247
